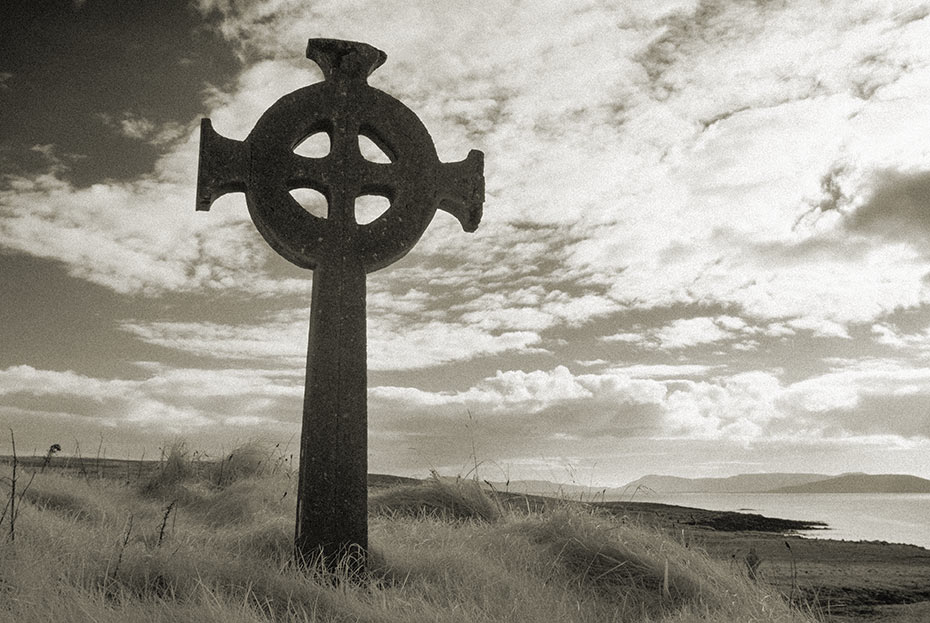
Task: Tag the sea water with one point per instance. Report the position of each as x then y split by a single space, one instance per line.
891 517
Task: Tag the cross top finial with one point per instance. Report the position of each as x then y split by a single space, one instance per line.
337 59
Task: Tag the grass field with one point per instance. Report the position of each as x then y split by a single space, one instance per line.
182 540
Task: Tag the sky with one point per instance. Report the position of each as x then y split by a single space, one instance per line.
705 248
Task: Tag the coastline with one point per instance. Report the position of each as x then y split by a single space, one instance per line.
878 516
841 580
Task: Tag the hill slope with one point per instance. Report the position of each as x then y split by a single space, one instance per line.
862 483
182 544
743 483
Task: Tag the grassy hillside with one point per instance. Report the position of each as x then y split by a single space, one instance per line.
207 543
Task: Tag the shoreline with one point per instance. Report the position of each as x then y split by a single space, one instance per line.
876 516
842 580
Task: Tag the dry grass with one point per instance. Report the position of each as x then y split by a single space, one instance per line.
446 498
198 547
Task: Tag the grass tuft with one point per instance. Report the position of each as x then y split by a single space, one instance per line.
246 461
172 471
623 566
448 499
63 502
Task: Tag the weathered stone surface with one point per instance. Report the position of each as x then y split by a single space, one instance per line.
331 515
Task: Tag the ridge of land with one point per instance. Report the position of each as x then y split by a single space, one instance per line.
862 483
743 483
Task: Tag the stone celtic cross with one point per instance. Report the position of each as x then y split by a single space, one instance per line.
332 483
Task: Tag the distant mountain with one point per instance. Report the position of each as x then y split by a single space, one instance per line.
862 483
654 484
743 483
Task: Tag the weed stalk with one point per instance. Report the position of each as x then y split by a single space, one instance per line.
794 574
13 490
119 558
164 522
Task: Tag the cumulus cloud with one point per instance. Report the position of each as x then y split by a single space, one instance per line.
639 371
163 402
518 415
534 308
870 397
690 332
690 402
421 345
685 333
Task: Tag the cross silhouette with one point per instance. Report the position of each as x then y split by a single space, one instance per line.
332 484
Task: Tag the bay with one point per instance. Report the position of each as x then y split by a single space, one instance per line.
891 517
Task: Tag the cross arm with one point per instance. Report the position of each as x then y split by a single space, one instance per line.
223 166
461 189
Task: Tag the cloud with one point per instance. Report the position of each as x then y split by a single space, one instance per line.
684 333
589 405
107 401
259 85
544 421
140 128
534 308
395 342
671 170
666 402
888 336
669 371
517 415
165 401
767 119
819 327
690 332
891 336
136 127
863 398
737 407
632 338
412 345
137 237
281 340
